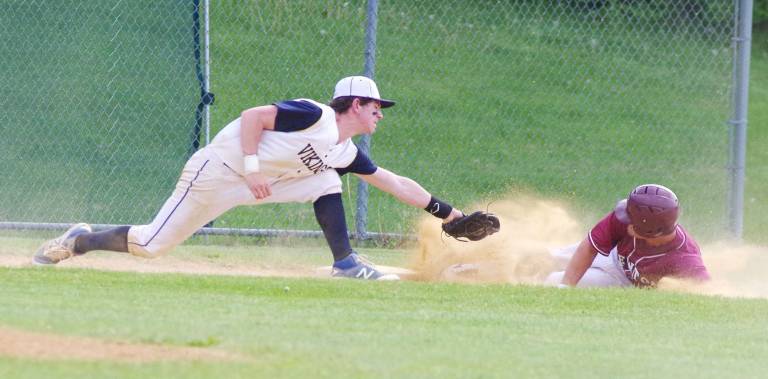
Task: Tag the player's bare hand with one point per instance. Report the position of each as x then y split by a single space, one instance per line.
455 213
258 185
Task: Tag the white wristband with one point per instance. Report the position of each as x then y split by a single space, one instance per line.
251 164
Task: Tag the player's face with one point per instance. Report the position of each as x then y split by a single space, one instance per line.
655 240
371 114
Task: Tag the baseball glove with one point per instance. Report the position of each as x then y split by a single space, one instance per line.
473 227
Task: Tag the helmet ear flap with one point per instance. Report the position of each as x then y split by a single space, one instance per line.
620 210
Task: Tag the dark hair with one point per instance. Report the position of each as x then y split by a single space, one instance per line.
342 104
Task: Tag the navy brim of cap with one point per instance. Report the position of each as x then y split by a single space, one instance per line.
384 103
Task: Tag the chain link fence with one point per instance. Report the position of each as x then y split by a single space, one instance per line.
577 100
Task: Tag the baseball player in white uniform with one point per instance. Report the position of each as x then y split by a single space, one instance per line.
291 151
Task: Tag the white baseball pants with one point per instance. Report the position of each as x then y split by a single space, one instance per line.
604 271
206 189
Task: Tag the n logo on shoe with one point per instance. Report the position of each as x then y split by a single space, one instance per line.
365 273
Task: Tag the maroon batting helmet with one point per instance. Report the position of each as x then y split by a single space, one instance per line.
652 210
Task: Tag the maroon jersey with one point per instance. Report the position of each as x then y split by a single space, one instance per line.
643 264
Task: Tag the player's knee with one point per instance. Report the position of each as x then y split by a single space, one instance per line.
145 242
148 251
329 190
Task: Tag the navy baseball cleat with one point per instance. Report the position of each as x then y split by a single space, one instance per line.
356 267
60 248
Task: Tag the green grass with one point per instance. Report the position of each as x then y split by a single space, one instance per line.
756 194
490 99
345 328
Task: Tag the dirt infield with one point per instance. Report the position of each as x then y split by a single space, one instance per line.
34 345
518 254
166 264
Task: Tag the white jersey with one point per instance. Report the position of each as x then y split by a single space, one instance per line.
284 155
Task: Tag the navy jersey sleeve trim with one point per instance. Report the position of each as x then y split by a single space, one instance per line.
295 115
362 165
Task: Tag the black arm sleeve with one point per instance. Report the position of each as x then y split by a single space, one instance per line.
361 165
295 115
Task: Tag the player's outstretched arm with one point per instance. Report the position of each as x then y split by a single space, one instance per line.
579 263
404 189
473 227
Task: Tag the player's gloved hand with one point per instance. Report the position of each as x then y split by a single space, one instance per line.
258 185
455 214
473 227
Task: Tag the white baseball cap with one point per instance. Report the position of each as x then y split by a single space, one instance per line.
360 86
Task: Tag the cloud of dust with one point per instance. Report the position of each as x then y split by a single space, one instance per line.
518 253
737 270
532 226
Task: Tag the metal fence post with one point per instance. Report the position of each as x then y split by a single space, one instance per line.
361 216
738 129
